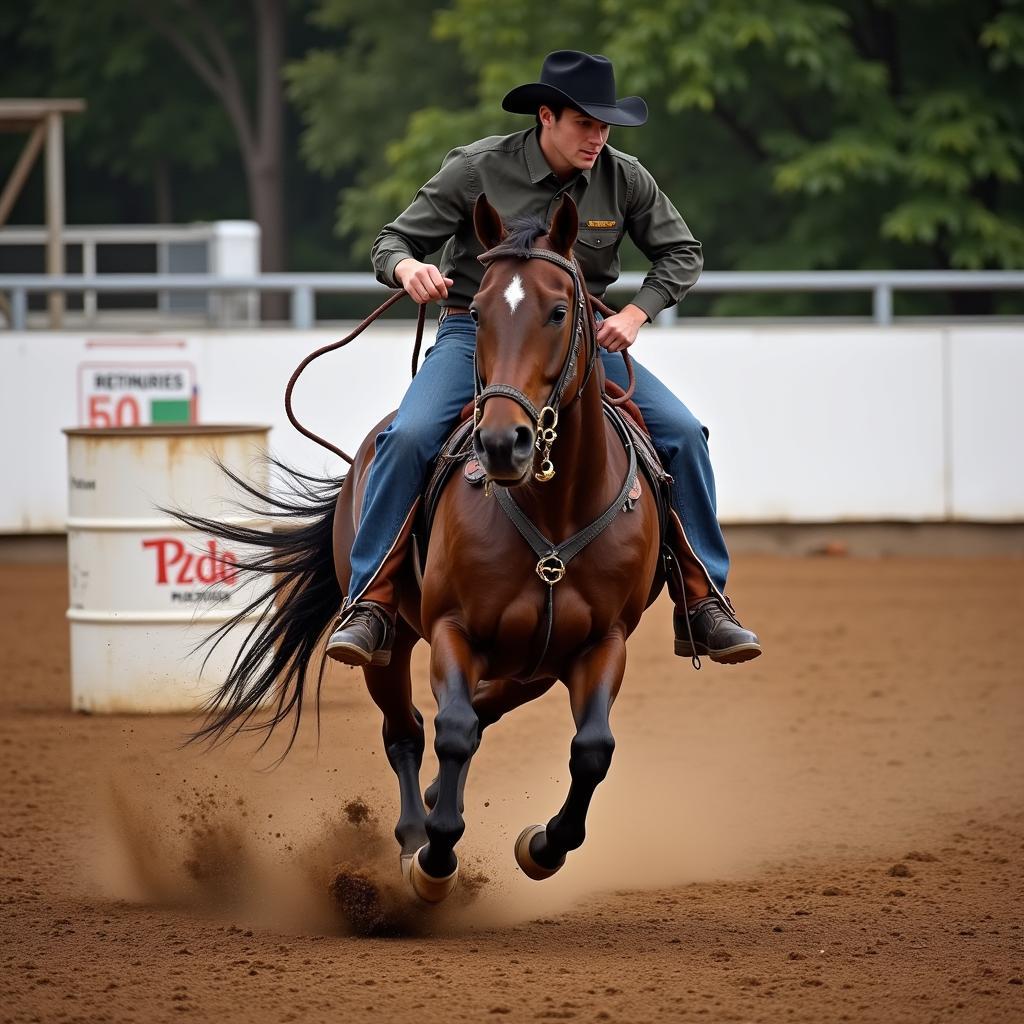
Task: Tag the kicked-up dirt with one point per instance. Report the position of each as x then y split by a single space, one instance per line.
833 832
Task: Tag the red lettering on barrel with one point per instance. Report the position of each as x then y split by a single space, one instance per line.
228 563
185 575
217 566
208 568
162 546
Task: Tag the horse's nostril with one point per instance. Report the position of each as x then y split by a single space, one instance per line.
505 452
522 447
489 441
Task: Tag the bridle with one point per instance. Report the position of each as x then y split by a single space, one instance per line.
553 557
545 419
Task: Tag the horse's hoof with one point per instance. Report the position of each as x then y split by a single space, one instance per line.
427 887
525 859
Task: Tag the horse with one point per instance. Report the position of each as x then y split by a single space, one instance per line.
507 613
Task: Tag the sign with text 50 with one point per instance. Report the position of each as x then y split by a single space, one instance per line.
137 394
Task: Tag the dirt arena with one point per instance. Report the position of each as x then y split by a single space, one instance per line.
834 832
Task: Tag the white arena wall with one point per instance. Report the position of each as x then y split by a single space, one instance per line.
808 424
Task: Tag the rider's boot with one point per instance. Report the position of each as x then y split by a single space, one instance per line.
704 620
363 635
365 630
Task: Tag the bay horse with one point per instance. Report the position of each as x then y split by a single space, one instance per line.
505 613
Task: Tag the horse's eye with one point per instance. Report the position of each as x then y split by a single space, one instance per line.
558 316
475 314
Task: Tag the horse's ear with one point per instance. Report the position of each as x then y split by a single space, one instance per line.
487 223
564 227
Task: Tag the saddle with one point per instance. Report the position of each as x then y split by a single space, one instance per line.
458 451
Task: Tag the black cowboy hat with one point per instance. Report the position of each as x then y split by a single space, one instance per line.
582 80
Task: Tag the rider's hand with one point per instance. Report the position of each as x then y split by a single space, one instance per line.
421 281
618 332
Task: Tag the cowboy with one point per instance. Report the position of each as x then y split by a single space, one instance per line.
565 153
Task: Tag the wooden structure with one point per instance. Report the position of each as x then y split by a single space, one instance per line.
44 121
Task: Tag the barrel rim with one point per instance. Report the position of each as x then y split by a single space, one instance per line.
169 430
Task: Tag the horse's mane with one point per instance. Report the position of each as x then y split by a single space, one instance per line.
523 231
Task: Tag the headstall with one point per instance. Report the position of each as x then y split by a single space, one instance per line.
545 419
554 557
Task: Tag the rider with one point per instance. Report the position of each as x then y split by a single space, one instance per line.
566 152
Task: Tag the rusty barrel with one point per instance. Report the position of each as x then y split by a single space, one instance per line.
143 588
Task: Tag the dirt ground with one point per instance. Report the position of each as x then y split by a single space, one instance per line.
834 832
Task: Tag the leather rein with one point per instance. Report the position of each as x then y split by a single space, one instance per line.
553 558
589 300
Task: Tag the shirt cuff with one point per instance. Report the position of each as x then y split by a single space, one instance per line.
391 261
651 301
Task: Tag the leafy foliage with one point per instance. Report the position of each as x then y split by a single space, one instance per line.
791 133
143 107
357 96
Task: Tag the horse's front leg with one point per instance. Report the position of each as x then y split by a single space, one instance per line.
493 699
454 673
593 683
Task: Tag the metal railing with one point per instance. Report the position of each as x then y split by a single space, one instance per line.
304 288
212 248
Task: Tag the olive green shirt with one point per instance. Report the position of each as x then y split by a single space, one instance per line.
616 196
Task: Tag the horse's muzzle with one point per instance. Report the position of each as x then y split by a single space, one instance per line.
506 453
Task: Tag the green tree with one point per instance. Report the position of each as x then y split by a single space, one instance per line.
169 84
792 133
356 96
898 123
241 62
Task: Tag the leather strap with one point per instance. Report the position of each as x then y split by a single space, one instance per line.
507 391
567 550
553 559
323 350
588 299
578 313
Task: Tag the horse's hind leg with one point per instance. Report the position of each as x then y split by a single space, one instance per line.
391 690
454 673
593 684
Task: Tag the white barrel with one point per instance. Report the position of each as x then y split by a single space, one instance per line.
143 588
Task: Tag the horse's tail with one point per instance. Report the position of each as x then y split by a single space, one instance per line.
298 596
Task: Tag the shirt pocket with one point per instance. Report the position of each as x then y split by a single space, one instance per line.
596 239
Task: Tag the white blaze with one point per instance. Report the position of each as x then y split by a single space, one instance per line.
514 293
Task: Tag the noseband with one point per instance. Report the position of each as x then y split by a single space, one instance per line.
545 419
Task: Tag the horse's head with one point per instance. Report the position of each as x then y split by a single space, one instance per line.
527 312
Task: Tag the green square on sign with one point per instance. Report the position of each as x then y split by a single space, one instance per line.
170 410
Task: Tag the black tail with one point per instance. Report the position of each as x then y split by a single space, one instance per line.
299 596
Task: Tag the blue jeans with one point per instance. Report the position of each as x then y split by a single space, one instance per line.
430 410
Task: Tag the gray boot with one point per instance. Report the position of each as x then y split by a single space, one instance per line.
715 632
363 636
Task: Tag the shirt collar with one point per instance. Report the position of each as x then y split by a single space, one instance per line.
537 164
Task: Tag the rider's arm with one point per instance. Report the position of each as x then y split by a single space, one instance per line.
426 224
661 234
